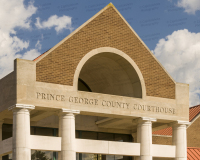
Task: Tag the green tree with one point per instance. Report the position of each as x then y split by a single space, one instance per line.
39 155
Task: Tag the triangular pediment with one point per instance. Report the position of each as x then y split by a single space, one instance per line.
105 29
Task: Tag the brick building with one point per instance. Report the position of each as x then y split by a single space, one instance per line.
97 95
164 136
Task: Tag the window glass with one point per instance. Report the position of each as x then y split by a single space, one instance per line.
88 135
43 155
106 136
44 131
7 157
123 138
89 157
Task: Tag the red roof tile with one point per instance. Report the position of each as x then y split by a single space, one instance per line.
193 153
40 55
165 131
193 112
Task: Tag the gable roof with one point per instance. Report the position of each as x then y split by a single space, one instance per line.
164 132
193 113
193 153
41 55
105 29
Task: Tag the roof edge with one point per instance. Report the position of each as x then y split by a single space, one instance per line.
74 32
144 44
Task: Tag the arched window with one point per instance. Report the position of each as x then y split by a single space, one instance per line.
110 73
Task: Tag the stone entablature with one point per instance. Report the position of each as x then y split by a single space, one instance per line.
56 96
106 104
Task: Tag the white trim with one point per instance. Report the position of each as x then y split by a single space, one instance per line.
158 135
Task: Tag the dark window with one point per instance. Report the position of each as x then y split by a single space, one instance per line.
82 86
106 137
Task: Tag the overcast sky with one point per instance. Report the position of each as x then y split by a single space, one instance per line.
170 28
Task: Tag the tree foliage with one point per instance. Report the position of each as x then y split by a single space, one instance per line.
39 155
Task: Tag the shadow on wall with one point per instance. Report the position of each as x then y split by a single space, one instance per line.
109 73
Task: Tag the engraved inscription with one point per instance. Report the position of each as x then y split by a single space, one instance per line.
105 103
83 100
154 108
50 96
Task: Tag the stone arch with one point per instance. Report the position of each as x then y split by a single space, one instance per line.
129 67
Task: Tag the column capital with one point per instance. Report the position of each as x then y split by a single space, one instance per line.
22 106
68 111
187 123
144 119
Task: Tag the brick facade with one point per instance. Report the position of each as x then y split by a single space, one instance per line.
108 29
165 140
193 136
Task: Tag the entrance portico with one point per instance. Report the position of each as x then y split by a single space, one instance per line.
93 83
67 145
133 115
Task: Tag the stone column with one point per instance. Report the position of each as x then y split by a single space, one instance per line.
179 139
144 137
1 123
21 131
67 133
